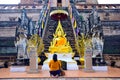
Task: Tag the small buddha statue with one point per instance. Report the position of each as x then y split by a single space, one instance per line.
59 43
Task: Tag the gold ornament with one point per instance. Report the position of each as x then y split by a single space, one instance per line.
59 43
36 42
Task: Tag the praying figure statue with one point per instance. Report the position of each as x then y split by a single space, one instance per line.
59 43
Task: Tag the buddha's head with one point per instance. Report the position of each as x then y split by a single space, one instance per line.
59 31
59 34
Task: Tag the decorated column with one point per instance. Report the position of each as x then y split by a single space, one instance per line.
88 54
33 60
88 61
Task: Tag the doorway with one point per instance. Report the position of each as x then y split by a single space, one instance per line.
59 3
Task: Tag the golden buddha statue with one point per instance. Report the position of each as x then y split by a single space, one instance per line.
59 43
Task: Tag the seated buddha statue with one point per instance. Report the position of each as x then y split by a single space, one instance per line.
59 43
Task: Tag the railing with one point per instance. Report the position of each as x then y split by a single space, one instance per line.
77 17
78 6
20 6
100 10
98 6
46 23
42 18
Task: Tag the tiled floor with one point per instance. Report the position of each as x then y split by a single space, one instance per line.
67 79
111 74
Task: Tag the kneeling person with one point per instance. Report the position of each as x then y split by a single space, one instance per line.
55 66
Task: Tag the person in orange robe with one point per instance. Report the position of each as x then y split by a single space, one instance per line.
55 66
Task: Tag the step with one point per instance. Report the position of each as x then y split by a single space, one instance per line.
7 31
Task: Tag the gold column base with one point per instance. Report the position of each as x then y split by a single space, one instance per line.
82 62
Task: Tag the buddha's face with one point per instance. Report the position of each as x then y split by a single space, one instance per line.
59 33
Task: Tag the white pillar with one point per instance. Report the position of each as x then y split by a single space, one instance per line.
33 61
88 61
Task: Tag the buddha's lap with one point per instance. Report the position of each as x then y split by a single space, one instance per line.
60 49
60 41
